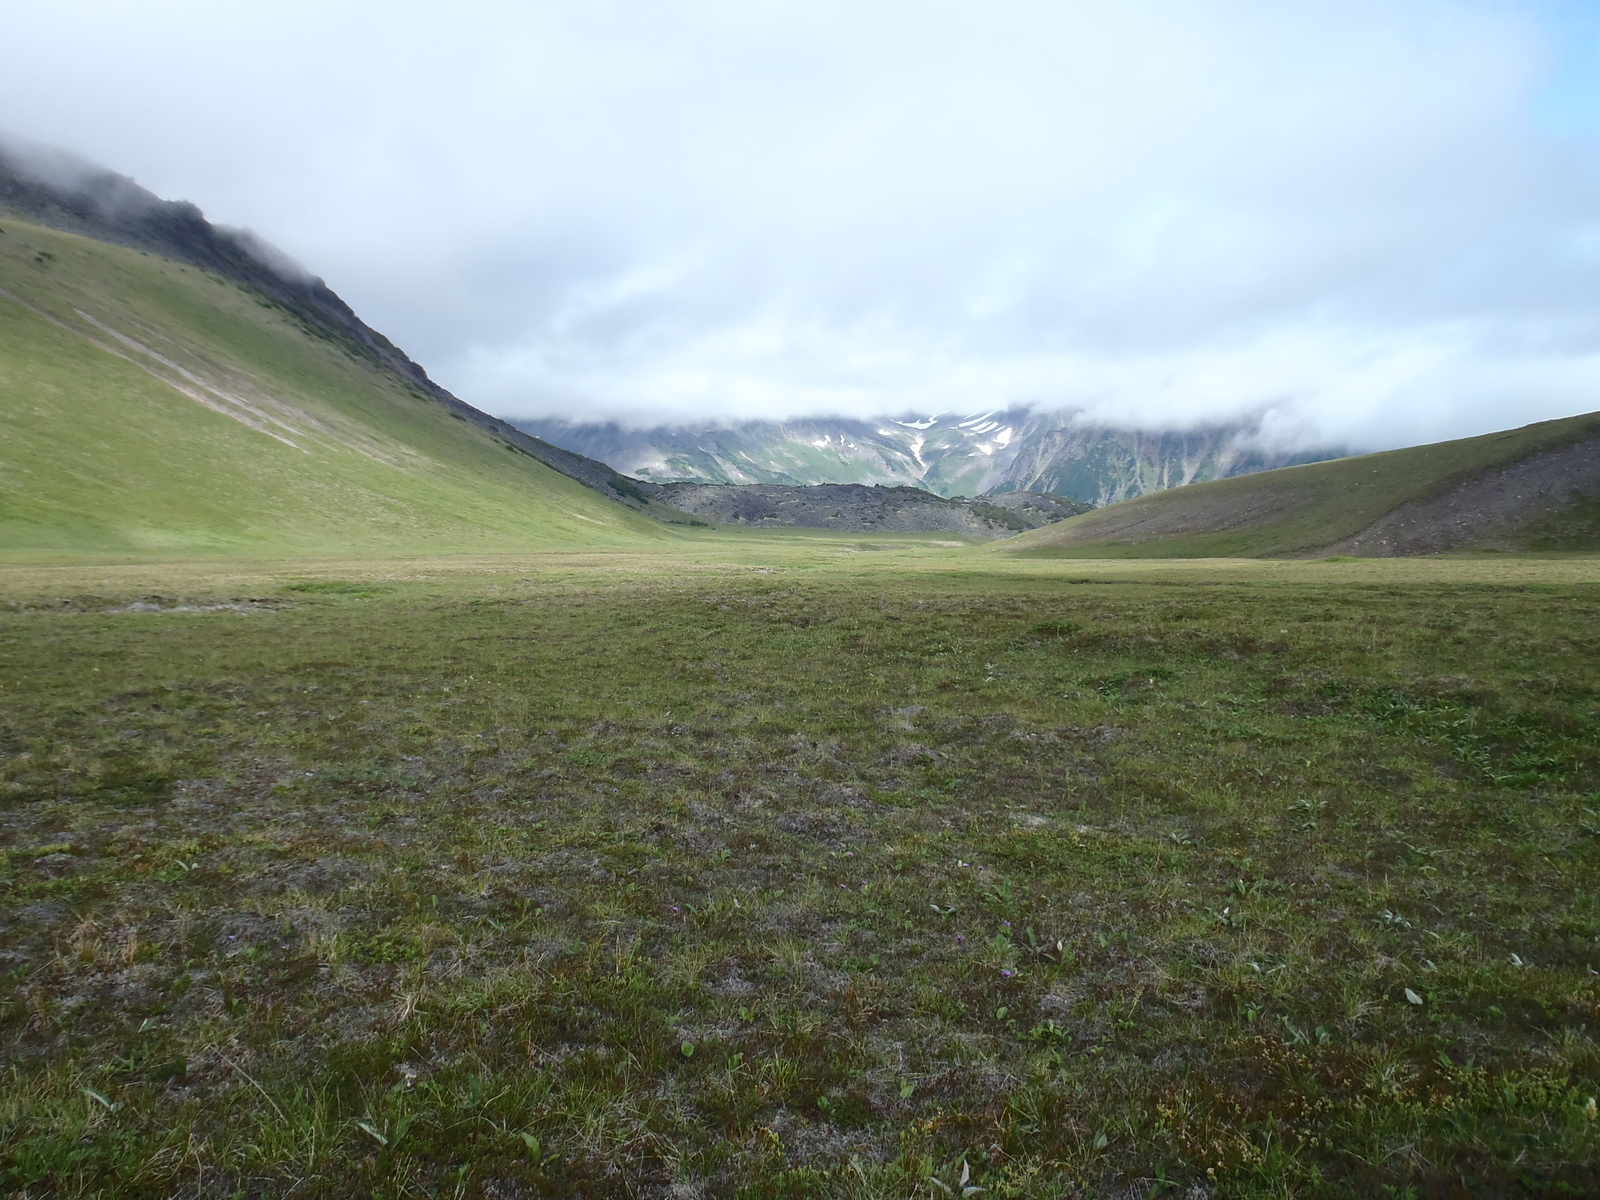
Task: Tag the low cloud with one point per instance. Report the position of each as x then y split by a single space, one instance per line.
106 201
1360 223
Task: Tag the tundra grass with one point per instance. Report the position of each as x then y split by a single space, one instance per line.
150 408
846 874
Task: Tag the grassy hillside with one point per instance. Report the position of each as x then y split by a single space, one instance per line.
148 406
1529 488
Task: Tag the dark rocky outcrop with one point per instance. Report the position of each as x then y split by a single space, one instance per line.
857 508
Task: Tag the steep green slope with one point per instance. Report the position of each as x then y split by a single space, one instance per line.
151 406
1532 488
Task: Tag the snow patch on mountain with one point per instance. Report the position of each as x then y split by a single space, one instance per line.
950 454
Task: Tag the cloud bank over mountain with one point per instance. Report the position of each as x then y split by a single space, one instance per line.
1358 223
954 454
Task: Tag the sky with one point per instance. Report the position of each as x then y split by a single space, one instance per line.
1357 222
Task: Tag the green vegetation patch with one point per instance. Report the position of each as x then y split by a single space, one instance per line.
823 877
337 588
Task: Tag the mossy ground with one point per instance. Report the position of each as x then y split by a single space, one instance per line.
787 867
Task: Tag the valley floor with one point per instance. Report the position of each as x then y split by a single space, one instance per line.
800 865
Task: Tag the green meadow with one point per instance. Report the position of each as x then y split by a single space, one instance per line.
771 866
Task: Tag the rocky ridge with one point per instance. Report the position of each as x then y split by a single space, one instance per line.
858 508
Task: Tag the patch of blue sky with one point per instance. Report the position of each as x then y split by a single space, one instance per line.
1568 101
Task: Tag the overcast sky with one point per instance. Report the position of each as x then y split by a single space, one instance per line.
1377 222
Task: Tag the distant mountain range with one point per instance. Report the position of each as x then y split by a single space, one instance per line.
971 454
